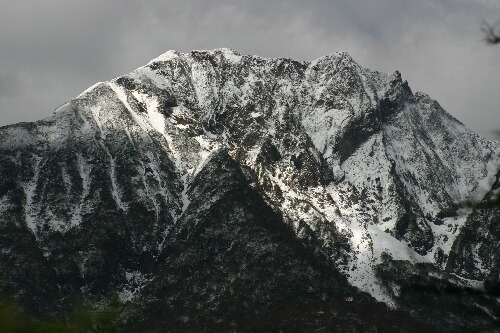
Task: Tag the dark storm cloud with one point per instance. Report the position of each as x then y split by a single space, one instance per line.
50 51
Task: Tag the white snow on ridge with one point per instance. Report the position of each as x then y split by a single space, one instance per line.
167 56
230 55
89 89
147 73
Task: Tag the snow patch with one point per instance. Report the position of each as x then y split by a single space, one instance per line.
116 192
155 118
30 210
122 96
135 281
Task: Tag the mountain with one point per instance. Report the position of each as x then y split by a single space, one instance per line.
214 191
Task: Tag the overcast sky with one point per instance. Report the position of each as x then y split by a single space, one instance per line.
50 51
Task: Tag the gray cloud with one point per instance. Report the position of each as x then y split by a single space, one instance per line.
50 51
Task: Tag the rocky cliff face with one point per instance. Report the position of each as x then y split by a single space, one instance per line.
219 191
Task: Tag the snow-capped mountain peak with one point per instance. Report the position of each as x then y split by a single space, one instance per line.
341 164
